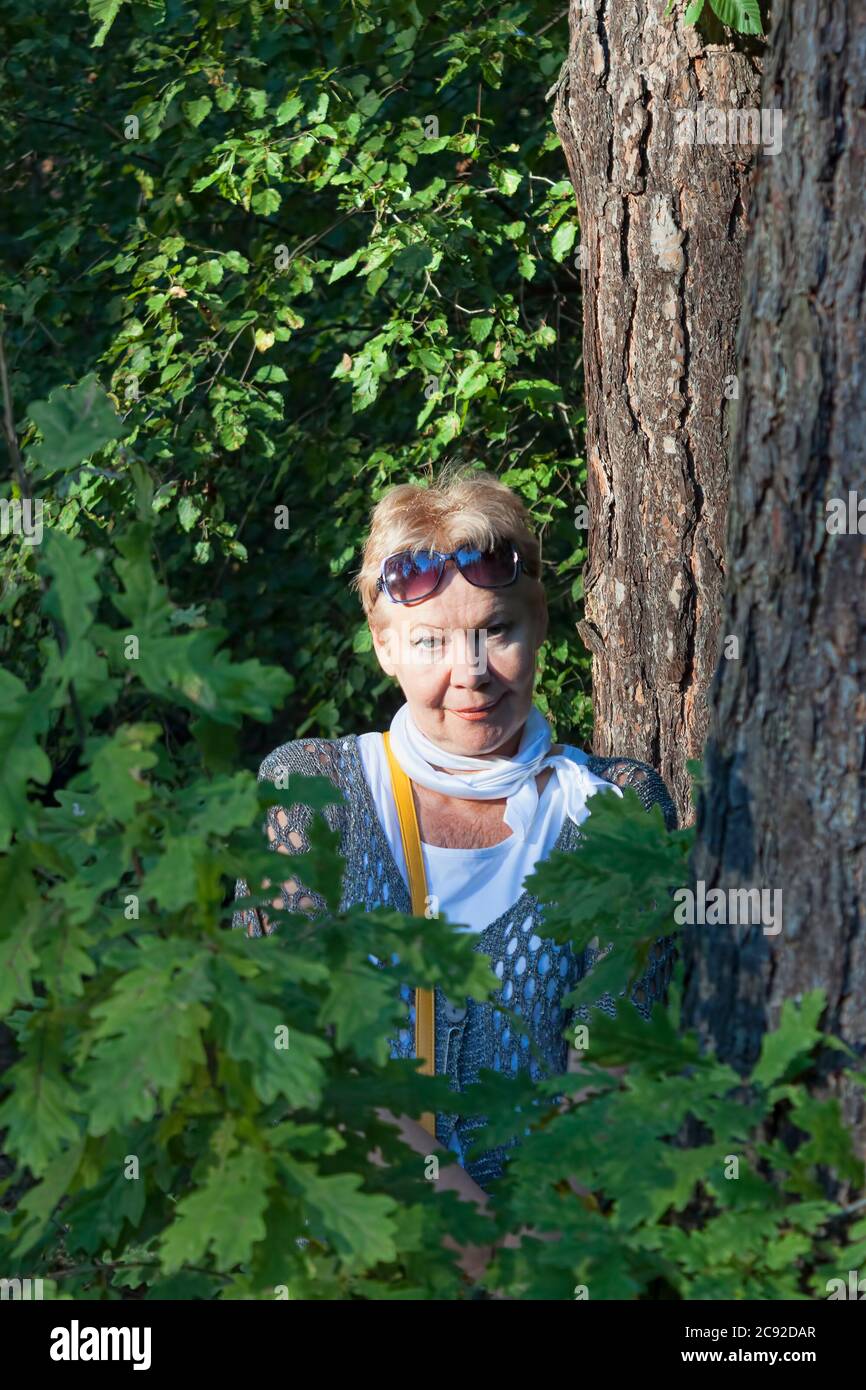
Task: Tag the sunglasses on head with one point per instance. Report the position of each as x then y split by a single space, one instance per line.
408 576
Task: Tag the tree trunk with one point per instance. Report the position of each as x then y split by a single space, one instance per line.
662 221
785 801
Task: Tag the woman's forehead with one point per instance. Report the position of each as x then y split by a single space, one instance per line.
460 604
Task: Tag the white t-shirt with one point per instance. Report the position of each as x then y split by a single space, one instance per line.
472 886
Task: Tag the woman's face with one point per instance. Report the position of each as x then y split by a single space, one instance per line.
465 659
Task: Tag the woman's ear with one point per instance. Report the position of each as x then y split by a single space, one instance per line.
383 636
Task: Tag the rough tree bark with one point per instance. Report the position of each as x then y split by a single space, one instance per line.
662 224
785 803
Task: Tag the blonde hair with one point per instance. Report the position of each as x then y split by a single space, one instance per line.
459 508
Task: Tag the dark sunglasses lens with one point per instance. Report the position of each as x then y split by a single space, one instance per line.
489 569
411 577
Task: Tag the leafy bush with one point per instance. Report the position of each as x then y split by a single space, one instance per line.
697 1183
311 253
240 222
193 1112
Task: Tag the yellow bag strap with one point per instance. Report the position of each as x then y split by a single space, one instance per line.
425 1016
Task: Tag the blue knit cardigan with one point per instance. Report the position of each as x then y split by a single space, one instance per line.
534 973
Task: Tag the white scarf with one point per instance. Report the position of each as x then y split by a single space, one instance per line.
512 778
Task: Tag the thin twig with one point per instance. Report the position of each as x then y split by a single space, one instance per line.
9 425
562 408
550 23
249 360
128 1264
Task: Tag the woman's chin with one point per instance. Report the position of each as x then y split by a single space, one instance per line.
479 734
475 737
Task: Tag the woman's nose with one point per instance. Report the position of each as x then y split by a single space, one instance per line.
469 658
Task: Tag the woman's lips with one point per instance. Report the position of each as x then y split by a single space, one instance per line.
476 712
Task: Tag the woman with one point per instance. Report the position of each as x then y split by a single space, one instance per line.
450 584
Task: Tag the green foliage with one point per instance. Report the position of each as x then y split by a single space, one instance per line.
310 252
74 424
195 1110
742 16
695 1182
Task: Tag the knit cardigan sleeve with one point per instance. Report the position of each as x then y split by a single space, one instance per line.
287 829
652 791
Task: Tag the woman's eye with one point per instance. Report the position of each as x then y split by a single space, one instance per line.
498 630
426 644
